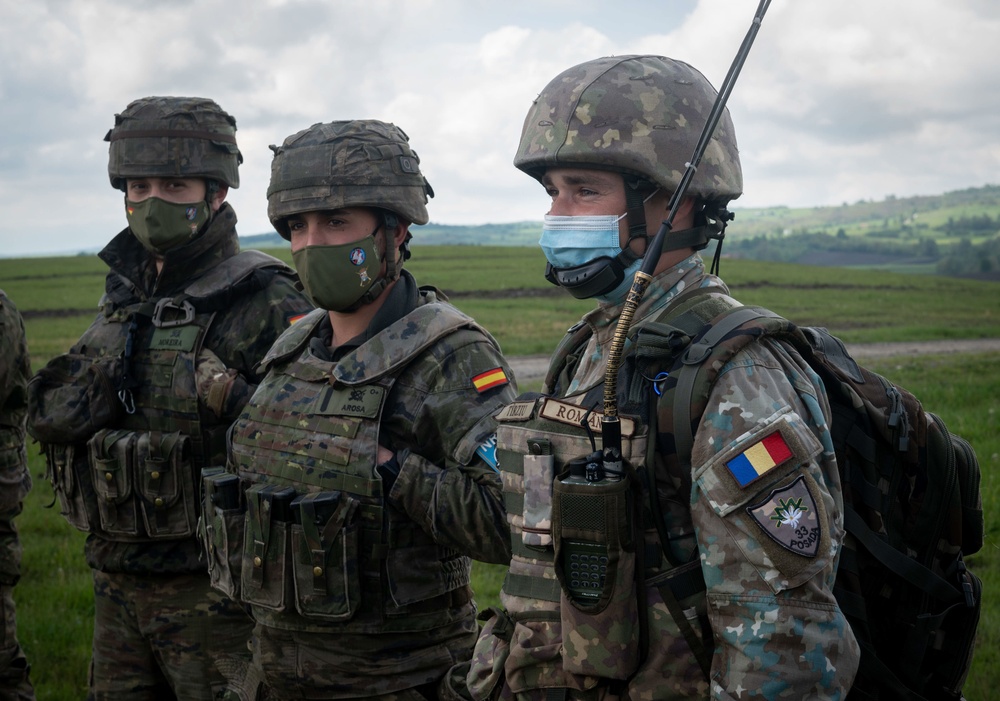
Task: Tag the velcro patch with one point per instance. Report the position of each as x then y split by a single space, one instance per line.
789 517
759 459
179 338
573 415
489 379
488 452
516 411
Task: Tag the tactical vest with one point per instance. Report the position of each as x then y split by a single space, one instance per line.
136 479
322 550
594 603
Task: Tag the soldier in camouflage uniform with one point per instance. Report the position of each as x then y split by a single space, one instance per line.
15 482
141 403
727 594
364 460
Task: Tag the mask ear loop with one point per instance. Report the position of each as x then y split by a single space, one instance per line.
392 271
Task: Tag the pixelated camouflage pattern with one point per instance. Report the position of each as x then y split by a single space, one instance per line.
777 630
639 115
173 137
369 625
15 482
357 163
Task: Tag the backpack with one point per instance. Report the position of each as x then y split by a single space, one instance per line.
912 505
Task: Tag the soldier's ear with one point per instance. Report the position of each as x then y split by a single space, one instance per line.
219 196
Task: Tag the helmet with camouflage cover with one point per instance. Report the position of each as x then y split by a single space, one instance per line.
638 115
180 137
356 163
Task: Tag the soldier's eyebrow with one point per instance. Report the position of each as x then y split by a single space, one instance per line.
581 178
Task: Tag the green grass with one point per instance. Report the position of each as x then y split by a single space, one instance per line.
59 295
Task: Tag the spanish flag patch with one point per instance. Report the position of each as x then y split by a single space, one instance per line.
759 458
490 379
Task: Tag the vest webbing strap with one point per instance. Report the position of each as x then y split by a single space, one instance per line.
693 357
532 587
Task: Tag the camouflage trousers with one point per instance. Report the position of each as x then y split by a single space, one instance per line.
14 683
294 665
15 483
159 637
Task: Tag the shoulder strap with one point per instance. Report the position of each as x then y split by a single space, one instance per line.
436 321
726 328
291 341
566 355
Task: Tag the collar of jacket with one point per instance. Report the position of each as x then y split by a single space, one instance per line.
126 256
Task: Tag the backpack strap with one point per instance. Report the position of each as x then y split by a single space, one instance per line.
566 356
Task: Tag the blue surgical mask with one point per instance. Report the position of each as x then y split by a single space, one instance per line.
571 242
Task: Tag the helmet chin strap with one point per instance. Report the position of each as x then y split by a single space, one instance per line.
711 224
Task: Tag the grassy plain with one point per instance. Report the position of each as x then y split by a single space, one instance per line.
503 288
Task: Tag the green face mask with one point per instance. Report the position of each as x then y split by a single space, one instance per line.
338 277
160 225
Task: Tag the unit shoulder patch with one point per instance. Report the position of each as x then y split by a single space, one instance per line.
789 517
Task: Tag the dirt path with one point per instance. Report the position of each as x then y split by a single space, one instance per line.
531 368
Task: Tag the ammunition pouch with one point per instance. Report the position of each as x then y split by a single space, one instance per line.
265 578
68 471
325 556
301 553
221 529
144 485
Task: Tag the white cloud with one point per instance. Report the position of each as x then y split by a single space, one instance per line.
836 102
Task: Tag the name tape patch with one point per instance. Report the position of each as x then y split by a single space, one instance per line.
572 415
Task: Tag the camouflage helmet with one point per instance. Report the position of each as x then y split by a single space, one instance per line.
637 115
178 137
355 163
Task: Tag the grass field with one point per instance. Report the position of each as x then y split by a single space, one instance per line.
503 289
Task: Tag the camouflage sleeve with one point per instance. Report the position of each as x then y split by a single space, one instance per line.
242 335
15 480
442 427
767 511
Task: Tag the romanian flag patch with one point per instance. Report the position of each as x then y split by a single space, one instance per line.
759 458
489 379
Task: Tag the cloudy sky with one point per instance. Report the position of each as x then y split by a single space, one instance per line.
839 100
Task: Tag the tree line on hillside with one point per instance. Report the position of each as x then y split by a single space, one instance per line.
902 241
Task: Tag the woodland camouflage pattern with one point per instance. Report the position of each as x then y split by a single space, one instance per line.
173 137
611 114
15 482
356 163
777 631
387 606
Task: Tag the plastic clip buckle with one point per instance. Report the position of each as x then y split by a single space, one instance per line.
163 305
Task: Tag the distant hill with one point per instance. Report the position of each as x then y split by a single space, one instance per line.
955 233
515 234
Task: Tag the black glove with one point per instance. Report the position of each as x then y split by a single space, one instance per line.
388 471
